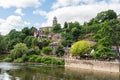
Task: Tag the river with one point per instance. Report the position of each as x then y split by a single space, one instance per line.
13 71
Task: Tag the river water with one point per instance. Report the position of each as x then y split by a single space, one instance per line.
11 71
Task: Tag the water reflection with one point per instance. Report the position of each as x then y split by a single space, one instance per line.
9 71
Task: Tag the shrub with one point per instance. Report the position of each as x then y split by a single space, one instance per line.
8 59
33 51
32 58
25 57
59 51
18 60
45 59
80 48
38 59
18 51
47 50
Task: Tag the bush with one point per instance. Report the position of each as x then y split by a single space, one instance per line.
8 59
80 48
59 51
38 59
50 60
44 59
32 58
25 57
18 60
18 51
33 51
47 50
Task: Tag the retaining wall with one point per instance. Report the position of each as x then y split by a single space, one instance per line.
93 65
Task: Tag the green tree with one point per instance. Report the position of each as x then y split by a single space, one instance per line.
57 28
19 50
47 50
59 50
104 42
105 15
30 41
26 31
3 44
80 48
115 33
65 25
32 30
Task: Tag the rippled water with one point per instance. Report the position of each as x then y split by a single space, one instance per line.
11 71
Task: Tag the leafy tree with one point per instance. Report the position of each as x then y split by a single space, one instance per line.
26 31
28 41
105 15
80 48
47 50
18 51
3 44
115 33
65 25
57 28
13 34
59 50
43 43
103 37
32 30
12 43
33 51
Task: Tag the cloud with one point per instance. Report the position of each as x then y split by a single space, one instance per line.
12 22
20 3
41 12
61 3
80 12
19 12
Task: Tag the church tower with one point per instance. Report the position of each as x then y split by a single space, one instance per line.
54 21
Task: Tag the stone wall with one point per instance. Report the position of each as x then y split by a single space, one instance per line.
93 65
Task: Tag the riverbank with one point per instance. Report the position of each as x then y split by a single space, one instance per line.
107 66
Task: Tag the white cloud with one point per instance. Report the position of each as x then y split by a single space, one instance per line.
80 13
12 22
19 12
63 3
41 12
20 3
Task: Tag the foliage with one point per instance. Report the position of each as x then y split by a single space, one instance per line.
33 58
50 60
32 51
56 28
25 57
18 51
47 50
28 41
18 60
8 59
38 59
80 48
105 15
103 37
2 44
43 43
59 50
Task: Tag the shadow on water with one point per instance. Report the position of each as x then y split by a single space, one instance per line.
10 71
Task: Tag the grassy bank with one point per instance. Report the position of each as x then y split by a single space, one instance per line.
36 59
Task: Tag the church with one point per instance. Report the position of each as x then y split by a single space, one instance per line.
45 32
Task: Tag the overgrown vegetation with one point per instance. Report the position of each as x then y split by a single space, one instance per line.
104 30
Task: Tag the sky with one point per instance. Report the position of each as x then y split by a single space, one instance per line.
17 14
